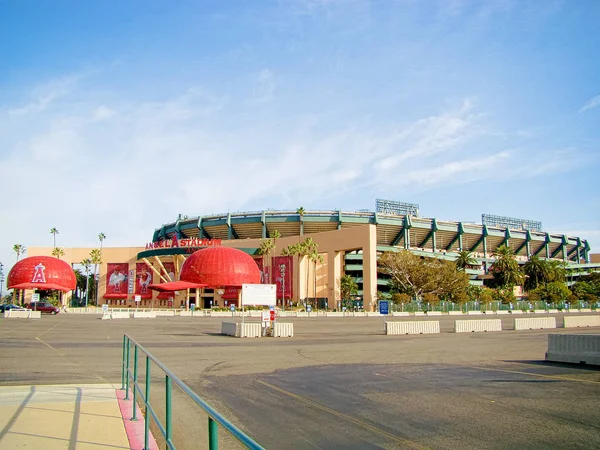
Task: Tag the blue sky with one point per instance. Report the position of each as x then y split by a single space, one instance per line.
116 116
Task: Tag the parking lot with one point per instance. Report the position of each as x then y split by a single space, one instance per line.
339 383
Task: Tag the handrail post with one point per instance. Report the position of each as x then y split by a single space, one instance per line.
123 363
135 379
213 434
146 403
168 415
127 371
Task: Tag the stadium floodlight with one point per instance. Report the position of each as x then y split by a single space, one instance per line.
396 208
510 222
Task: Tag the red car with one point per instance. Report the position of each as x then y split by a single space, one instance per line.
43 307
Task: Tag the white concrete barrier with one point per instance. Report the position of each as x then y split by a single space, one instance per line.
283 329
185 313
553 311
372 314
516 311
238 329
19 314
164 313
540 311
400 313
335 314
582 321
502 312
474 313
455 313
419 313
535 323
585 310
119 314
144 314
434 313
574 348
465 326
419 327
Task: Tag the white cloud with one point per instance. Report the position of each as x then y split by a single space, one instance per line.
43 96
591 104
103 112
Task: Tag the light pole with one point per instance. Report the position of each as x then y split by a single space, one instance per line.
282 270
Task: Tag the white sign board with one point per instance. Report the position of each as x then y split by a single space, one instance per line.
259 294
138 298
35 298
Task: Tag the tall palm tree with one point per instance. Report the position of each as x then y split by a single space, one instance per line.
87 263
19 250
267 247
301 211
537 271
464 260
58 252
101 237
96 258
506 269
54 232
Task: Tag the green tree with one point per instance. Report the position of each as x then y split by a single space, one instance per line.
19 250
58 252
537 272
87 263
417 276
505 269
96 259
555 291
465 260
101 237
348 287
266 249
54 232
557 271
503 294
301 211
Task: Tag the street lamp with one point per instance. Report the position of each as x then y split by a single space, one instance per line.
282 270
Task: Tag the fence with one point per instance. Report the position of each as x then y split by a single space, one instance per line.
130 374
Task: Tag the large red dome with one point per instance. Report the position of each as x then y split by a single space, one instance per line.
220 266
42 272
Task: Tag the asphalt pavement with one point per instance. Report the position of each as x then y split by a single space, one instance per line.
338 383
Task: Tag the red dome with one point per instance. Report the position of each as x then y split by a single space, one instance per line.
42 272
220 266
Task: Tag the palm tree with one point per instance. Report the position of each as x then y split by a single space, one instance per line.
80 286
58 252
96 258
464 260
537 271
54 232
19 250
556 271
301 211
316 258
506 268
348 287
266 248
87 263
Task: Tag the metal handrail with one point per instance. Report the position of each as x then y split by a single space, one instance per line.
214 418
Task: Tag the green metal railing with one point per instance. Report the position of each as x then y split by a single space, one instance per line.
130 373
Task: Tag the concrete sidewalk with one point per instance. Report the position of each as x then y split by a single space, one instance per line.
61 417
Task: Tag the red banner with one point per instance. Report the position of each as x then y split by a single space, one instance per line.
117 279
143 277
170 268
264 271
283 274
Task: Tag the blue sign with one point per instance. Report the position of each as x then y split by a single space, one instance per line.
232 308
271 308
384 307
309 308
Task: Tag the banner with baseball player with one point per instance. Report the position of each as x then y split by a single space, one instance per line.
143 276
116 279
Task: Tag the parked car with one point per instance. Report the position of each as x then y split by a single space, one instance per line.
8 306
43 307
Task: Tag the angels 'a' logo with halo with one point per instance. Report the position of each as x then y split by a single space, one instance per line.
39 276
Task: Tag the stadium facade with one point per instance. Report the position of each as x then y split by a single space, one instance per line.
348 242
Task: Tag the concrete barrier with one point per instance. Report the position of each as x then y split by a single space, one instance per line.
474 313
119 314
434 313
420 327
400 313
502 312
553 311
238 329
144 314
283 329
465 326
540 311
419 313
455 313
516 311
164 313
574 348
18 314
535 323
582 321
585 310
335 314
185 313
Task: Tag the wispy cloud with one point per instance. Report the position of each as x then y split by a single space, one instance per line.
43 96
265 87
591 104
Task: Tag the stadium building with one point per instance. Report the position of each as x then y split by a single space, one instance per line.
348 243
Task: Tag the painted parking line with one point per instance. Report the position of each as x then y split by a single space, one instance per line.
518 372
346 417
